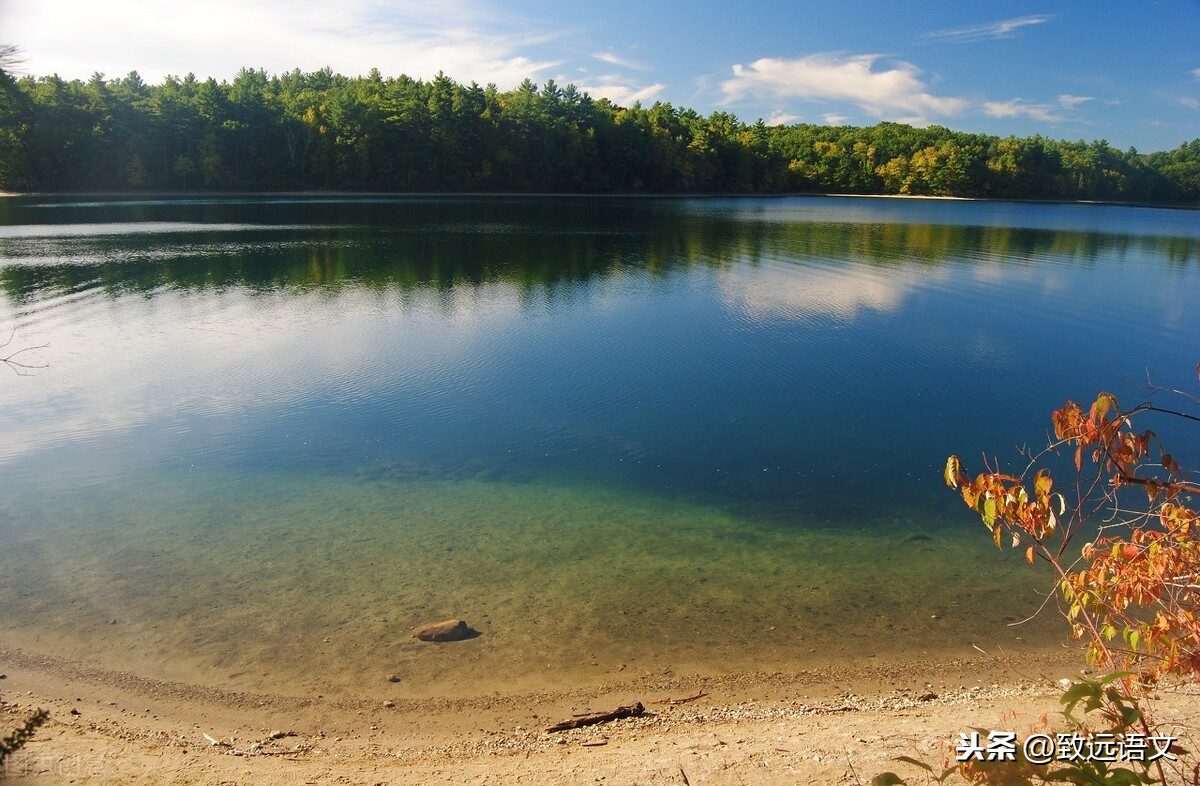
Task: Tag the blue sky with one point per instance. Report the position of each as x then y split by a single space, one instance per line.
1128 72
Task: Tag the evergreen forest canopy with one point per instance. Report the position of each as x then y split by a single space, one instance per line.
322 130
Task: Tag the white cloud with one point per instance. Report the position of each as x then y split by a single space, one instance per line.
1189 102
1196 72
894 94
216 38
1019 107
834 119
620 91
1070 101
614 59
1001 29
781 118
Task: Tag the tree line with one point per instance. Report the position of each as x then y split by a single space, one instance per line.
324 131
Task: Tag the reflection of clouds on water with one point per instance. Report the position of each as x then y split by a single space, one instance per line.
780 290
165 360
136 228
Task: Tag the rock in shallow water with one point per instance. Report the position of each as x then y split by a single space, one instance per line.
448 630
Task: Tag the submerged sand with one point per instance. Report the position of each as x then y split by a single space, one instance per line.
837 725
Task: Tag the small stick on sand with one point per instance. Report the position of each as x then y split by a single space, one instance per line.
684 700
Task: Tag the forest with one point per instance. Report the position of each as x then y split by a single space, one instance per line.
324 131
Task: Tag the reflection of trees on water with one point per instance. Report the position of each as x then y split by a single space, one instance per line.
534 245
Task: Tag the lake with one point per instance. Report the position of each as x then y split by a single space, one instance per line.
267 436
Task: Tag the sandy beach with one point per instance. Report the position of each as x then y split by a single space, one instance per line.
110 727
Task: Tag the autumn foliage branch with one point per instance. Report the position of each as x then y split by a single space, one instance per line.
1138 576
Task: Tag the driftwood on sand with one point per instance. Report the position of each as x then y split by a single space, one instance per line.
630 711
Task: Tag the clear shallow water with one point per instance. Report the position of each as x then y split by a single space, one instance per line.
614 434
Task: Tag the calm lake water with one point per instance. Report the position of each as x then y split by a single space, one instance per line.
616 435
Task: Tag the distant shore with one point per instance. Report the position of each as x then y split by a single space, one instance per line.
423 194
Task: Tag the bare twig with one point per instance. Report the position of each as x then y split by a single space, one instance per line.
698 694
20 367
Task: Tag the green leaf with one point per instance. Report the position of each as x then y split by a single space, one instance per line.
887 779
1078 692
1130 716
1116 675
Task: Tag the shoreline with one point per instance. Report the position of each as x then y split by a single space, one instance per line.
459 194
809 726
109 728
